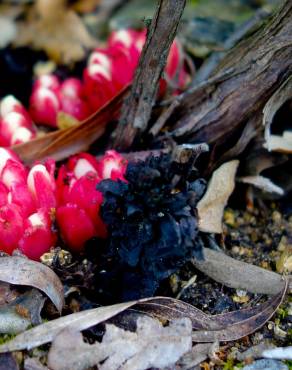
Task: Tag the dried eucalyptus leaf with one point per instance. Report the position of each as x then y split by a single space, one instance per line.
239 275
211 206
277 142
33 364
22 271
281 353
46 332
262 183
152 345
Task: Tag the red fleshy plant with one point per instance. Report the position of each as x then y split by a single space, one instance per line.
78 200
16 126
108 70
27 204
30 200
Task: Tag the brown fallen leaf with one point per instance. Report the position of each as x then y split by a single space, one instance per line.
276 142
22 271
151 346
52 27
24 311
211 206
63 143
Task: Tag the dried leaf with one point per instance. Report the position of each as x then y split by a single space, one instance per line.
225 327
21 313
281 353
8 31
211 206
198 354
79 321
262 183
63 143
22 271
56 29
33 364
152 345
254 352
276 142
239 275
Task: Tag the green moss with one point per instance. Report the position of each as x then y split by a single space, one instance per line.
289 364
4 338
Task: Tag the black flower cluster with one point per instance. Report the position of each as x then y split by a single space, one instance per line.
152 224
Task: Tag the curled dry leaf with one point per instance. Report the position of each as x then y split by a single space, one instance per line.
226 327
151 346
59 31
276 142
24 311
211 206
22 271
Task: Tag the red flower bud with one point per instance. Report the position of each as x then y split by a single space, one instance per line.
21 196
72 88
10 104
113 166
47 81
75 225
38 237
41 183
98 85
15 128
79 202
75 107
11 227
44 106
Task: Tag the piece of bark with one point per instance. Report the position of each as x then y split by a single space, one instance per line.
217 112
137 108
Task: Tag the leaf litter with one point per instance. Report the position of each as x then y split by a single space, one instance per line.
152 345
22 271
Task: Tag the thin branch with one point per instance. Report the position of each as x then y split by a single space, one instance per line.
137 108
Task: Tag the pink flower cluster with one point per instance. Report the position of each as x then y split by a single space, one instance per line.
27 203
32 200
108 70
79 201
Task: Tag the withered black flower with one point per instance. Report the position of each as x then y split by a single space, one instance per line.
152 223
